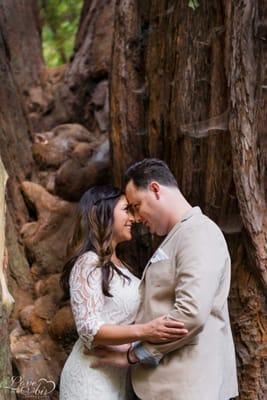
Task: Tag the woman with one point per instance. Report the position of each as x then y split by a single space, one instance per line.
104 297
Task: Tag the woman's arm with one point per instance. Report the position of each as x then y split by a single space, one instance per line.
158 330
87 302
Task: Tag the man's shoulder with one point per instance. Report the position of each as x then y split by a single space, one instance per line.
199 225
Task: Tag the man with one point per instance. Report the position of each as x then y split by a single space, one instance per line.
188 279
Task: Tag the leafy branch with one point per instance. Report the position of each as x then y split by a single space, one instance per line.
194 4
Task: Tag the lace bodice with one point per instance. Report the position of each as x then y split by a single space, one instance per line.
90 307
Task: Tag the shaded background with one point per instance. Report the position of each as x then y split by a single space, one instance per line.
88 87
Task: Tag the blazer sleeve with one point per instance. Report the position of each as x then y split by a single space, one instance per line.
199 265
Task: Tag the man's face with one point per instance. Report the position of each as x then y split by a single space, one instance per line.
146 206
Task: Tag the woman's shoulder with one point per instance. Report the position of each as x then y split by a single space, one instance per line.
88 257
86 262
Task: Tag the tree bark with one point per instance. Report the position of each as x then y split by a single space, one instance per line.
204 115
69 93
246 24
248 317
20 24
185 86
6 300
35 217
128 90
15 151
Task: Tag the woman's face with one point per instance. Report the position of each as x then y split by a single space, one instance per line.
123 221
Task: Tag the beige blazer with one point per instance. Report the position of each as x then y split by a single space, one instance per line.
188 278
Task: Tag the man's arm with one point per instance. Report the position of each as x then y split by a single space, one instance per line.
200 263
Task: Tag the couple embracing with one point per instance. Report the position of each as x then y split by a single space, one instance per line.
169 331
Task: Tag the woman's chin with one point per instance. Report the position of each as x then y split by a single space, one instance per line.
127 237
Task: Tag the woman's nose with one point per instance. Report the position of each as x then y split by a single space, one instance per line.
131 218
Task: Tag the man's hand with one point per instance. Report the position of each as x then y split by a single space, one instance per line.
106 356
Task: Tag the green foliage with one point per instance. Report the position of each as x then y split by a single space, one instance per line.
60 21
194 4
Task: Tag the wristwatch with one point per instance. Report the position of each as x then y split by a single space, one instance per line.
131 357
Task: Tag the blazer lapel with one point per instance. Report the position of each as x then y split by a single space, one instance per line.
159 255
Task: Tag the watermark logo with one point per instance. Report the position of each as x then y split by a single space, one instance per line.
28 388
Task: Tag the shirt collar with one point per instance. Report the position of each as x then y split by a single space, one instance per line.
189 214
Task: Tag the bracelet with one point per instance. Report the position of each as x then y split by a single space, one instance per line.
129 357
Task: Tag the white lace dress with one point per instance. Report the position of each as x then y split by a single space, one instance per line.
91 310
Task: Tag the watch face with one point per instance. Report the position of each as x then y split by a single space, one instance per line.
131 357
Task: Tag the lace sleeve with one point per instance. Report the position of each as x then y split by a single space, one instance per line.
87 299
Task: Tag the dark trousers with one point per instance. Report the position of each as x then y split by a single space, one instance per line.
130 392
133 396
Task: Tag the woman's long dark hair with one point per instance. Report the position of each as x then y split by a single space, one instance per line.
93 232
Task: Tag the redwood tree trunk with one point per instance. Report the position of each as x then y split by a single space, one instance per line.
34 99
15 154
6 300
128 89
204 90
15 151
246 27
186 86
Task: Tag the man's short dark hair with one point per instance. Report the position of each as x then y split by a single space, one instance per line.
148 170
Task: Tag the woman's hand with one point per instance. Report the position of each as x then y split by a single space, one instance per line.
162 329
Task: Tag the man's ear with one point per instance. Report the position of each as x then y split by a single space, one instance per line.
155 188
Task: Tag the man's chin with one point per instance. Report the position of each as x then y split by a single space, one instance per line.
155 232
158 232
